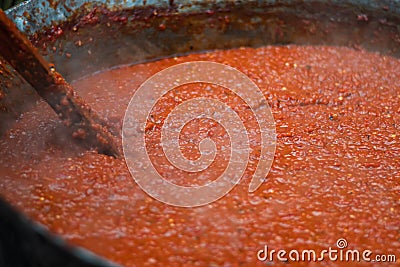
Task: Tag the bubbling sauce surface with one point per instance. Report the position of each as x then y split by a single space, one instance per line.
335 173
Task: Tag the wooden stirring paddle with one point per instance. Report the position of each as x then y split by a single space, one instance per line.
19 52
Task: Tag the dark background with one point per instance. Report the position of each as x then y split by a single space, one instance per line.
4 4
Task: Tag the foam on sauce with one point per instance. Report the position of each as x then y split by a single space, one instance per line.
335 173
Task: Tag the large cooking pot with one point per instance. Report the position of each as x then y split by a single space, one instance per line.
372 25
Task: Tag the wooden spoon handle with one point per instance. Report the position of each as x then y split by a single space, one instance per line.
18 51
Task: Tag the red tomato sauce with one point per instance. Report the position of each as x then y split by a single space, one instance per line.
336 172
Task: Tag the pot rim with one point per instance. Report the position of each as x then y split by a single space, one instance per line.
33 15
